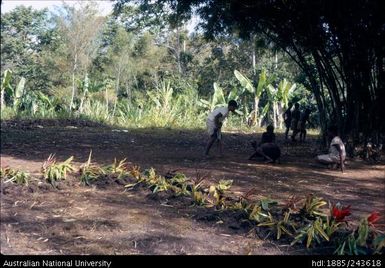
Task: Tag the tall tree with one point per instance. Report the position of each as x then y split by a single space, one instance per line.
80 27
24 34
339 45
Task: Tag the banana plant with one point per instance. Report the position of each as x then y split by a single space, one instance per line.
6 86
88 87
284 91
270 92
18 94
256 91
218 99
37 101
278 100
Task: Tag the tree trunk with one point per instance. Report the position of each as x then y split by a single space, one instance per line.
73 82
116 92
129 93
73 90
82 102
254 63
178 51
113 111
275 108
85 90
2 99
257 121
327 75
280 114
106 97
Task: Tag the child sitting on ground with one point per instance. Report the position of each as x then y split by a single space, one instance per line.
337 153
267 147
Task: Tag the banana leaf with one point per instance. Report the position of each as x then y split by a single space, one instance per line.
6 83
18 93
261 83
218 97
245 82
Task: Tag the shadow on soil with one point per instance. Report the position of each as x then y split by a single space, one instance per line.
26 144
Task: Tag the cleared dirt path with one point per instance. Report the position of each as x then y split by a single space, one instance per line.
106 220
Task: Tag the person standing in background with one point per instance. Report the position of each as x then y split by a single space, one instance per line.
295 116
287 120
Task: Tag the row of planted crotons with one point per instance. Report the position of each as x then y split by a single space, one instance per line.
310 220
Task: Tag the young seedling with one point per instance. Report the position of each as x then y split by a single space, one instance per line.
217 192
266 203
260 210
152 177
90 172
312 207
257 213
14 176
155 182
312 232
198 197
279 227
178 184
160 185
196 190
292 204
135 172
244 200
53 171
117 169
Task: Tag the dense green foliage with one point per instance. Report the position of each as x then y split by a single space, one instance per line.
338 45
136 70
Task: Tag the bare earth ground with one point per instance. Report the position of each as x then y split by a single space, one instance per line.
104 219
